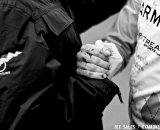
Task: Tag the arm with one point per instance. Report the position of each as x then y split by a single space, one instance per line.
122 30
119 40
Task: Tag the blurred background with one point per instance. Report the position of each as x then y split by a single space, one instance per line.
115 113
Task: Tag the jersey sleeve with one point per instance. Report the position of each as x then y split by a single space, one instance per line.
122 29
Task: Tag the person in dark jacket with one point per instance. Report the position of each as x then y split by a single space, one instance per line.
38 47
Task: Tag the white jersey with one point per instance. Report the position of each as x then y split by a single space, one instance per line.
145 72
139 23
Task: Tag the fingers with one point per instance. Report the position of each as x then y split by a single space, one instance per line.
94 50
90 74
99 60
91 62
89 58
91 67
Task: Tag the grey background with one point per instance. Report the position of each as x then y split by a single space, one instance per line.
115 113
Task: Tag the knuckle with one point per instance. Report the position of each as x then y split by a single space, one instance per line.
78 70
90 74
78 54
83 47
103 76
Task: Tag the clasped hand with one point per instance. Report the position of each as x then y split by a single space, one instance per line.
100 60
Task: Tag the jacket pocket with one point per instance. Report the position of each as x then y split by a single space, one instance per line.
56 19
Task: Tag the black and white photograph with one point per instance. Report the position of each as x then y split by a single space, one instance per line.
79 64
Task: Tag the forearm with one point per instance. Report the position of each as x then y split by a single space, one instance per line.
122 30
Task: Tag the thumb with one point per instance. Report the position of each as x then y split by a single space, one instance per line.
105 48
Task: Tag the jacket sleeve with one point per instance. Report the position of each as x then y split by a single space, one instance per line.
122 29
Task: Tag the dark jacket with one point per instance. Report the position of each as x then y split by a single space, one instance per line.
45 36
39 89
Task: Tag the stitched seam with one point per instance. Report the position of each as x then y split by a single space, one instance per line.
11 6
